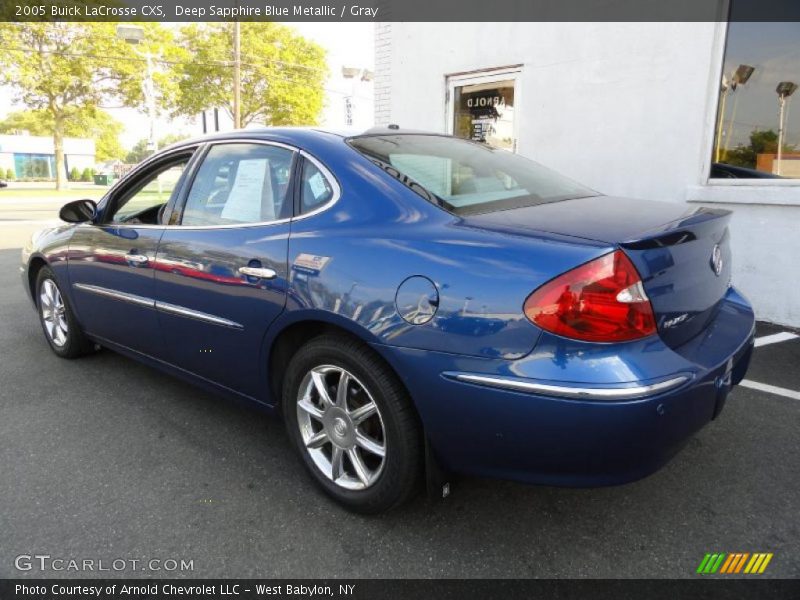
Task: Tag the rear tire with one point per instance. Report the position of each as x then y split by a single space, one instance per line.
353 424
61 328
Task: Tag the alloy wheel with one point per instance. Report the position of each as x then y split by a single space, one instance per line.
53 312
341 427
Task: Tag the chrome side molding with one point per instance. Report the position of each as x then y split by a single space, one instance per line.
123 296
196 314
155 304
566 391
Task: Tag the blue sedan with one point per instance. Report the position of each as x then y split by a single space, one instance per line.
413 304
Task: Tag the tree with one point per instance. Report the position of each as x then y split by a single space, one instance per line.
140 151
74 174
764 141
91 123
87 175
64 69
10 174
282 73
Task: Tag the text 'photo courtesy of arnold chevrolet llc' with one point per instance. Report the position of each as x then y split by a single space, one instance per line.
354 301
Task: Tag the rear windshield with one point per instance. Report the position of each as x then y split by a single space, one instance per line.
466 177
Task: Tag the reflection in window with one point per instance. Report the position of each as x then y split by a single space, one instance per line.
757 135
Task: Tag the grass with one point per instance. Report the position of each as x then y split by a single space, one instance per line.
18 193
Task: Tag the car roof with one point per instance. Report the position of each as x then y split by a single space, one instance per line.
296 134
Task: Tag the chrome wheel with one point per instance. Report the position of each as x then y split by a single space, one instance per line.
53 312
341 427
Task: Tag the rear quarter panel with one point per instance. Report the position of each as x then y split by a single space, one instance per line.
380 233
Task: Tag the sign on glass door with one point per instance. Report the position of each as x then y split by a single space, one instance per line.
484 112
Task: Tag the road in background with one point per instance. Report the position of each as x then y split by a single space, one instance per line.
25 208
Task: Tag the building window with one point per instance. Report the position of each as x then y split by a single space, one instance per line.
482 108
756 134
35 166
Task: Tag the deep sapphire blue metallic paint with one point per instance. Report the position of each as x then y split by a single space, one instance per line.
380 234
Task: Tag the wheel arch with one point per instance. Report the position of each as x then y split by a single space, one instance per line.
294 333
35 265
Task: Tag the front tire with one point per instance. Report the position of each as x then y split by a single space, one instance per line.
353 424
61 328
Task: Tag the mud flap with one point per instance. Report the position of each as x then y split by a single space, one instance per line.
437 478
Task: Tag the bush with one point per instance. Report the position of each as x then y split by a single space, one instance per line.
74 174
10 174
87 175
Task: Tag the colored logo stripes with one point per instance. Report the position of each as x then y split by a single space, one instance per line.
737 562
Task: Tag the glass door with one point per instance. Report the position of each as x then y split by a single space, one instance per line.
482 108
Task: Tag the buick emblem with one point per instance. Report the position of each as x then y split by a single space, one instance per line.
716 260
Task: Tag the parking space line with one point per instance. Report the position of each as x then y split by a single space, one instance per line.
783 336
770 389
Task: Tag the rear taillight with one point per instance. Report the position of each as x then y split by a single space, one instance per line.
600 301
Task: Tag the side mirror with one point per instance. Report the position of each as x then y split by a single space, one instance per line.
78 211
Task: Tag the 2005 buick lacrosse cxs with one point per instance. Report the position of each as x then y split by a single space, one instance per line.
409 302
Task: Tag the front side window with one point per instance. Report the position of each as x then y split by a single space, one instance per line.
466 177
756 134
145 203
240 183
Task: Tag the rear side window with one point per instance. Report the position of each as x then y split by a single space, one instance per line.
315 189
240 183
465 177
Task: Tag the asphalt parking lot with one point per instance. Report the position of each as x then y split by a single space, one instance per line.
103 458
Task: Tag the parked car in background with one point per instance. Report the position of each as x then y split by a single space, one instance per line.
723 171
3 183
411 303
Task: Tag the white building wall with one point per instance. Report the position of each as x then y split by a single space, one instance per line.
626 108
358 90
383 72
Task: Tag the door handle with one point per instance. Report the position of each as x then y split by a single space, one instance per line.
258 272
138 259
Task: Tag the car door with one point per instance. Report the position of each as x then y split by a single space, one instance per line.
221 274
111 261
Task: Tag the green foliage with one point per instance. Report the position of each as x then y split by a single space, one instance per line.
282 73
67 70
89 123
139 151
74 174
87 175
10 174
763 141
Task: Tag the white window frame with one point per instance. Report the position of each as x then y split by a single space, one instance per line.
482 76
780 192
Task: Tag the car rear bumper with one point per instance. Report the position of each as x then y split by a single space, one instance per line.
610 429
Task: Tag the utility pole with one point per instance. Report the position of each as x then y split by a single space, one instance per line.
149 90
785 89
133 34
237 76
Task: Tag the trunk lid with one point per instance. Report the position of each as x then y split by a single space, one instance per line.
683 255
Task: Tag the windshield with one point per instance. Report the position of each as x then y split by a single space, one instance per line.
466 177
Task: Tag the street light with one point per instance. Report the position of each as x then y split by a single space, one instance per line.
133 35
784 90
739 77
